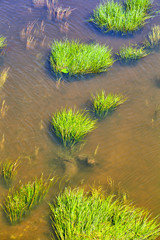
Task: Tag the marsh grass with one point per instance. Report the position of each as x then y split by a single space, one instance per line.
3 42
80 215
64 27
73 57
3 109
71 126
121 17
131 53
2 143
39 3
144 5
56 11
18 203
31 42
153 38
33 34
3 76
61 13
102 103
9 171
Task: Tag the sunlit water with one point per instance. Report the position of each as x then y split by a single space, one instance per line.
128 140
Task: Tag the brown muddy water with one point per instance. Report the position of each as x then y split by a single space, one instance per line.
128 140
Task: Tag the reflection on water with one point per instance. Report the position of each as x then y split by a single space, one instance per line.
128 140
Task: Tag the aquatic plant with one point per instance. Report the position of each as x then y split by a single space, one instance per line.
119 17
131 53
58 12
3 76
71 126
153 38
33 34
77 214
9 171
64 27
39 3
2 143
102 103
144 5
74 57
3 109
18 203
2 42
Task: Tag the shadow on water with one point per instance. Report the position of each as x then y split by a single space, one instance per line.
156 81
52 134
1 60
123 63
131 63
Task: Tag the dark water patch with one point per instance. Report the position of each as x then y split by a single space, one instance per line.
156 82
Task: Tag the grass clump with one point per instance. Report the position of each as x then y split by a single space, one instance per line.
102 103
18 203
73 57
121 17
94 215
70 126
8 171
131 53
2 42
153 39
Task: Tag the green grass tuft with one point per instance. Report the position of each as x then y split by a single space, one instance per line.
94 215
71 126
18 203
2 42
131 53
9 171
103 103
119 17
153 38
144 5
73 57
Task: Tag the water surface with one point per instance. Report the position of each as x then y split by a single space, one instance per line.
128 140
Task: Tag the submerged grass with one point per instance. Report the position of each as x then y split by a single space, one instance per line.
121 17
102 103
94 215
71 126
131 53
73 57
3 76
9 171
18 203
153 38
2 42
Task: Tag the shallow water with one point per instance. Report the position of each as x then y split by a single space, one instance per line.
128 140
